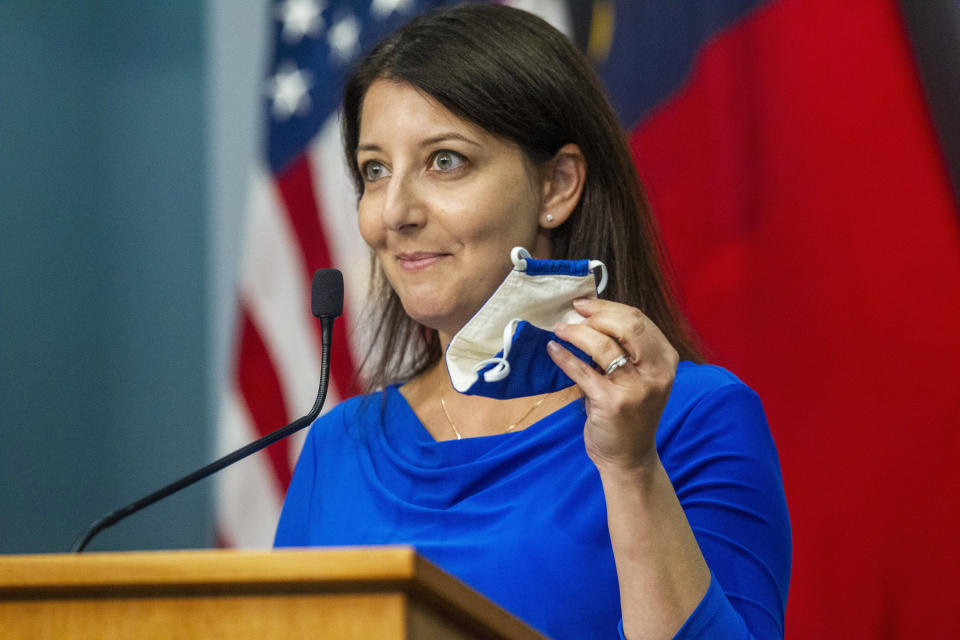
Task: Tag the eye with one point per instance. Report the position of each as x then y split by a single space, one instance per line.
447 161
373 170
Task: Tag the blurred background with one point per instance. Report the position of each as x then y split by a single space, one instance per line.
106 276
803 158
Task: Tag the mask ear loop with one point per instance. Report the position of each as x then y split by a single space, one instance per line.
502 370
518 255
593 264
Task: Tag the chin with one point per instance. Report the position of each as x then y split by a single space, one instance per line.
439 319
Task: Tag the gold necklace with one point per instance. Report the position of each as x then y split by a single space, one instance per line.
443 403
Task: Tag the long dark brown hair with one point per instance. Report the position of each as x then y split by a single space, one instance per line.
517 77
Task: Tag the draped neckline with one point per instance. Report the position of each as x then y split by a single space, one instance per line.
409 438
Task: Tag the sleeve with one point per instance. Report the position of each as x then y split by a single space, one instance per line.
294 525
713 618
723 464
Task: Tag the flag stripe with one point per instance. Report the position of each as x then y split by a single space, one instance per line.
249 497
275 289
298 193
257 378
300 202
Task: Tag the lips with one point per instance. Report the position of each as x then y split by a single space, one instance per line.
417 261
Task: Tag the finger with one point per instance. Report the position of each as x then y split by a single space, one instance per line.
599 346
629 327
590 306
585 376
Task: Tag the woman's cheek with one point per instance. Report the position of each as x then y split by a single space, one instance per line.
370 231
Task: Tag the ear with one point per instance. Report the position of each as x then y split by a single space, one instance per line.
563 179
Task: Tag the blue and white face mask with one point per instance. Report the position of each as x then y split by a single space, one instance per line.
502 351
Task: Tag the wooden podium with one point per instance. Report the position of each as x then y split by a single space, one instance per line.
369 593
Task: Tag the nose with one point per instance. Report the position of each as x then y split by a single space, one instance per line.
403 210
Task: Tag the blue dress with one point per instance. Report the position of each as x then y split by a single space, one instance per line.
521 516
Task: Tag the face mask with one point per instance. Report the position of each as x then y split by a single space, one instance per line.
502 351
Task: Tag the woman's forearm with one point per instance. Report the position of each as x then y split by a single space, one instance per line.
661 572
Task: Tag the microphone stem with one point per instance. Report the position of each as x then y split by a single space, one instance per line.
115 516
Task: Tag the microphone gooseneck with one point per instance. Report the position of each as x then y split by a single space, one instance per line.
327 304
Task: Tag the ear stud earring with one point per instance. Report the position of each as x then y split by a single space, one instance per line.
549 217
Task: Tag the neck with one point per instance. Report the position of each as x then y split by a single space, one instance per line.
445 339
474 415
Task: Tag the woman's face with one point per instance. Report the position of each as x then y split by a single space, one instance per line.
443 203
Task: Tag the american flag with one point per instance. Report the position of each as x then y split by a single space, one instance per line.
301 216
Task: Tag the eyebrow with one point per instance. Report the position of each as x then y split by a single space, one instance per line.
432 140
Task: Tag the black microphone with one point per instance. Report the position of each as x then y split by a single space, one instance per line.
326 302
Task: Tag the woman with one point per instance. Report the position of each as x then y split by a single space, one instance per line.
649 493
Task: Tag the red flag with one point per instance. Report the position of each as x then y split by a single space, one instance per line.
807 210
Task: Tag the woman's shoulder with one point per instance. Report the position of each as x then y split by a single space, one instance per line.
352 411
358 414
714 425
712 393
705 377
349 408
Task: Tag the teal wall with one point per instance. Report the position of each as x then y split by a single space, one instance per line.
103 344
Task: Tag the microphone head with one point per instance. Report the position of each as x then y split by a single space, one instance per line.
326 295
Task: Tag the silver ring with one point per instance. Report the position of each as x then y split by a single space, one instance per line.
616 364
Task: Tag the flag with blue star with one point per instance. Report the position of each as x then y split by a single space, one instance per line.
315 43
